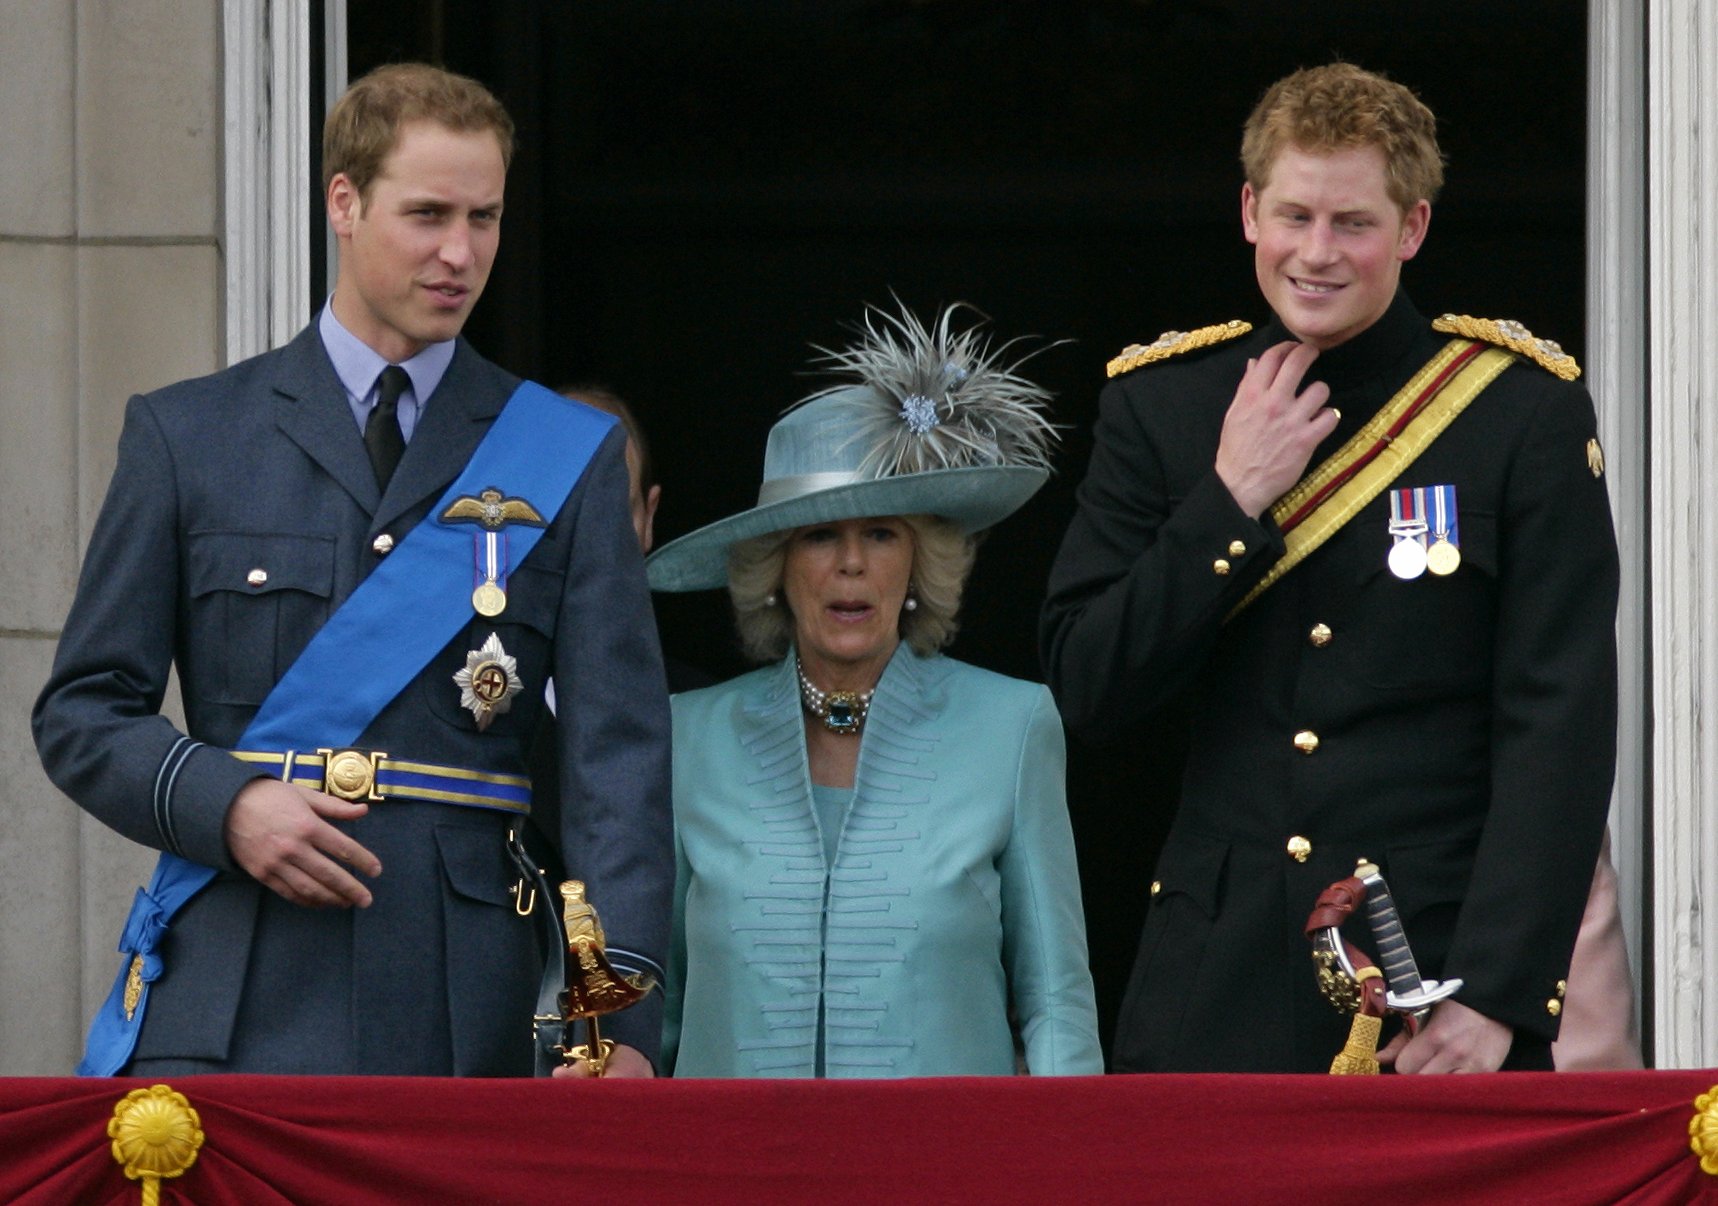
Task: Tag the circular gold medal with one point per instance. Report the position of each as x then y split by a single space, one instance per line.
489 600
1407 559
1443 558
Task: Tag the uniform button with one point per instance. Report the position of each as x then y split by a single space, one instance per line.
383 544
1299 848
1553 1007
257 577
1306 741
1219 567
1156 886
1319 636
1562 987
1236 548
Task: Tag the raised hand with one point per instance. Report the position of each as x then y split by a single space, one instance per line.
1270 429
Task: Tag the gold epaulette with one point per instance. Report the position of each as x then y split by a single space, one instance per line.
1174 343
1506 333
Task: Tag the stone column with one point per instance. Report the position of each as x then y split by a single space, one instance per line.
1682 368
111 264
1617 322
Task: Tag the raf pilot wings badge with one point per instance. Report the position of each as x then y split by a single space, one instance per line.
491 511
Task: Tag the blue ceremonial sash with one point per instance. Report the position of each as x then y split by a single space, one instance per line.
377 642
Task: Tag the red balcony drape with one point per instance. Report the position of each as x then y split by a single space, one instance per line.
1524 1138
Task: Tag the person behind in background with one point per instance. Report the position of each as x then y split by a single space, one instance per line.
1372 558
875 863
364 568
646 497
644 491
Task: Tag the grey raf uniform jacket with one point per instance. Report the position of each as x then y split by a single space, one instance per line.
1459 730
261 467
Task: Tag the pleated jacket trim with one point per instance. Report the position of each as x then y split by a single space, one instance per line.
853 900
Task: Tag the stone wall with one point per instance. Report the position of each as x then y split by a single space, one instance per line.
111 267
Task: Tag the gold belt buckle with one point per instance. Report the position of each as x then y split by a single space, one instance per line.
351 774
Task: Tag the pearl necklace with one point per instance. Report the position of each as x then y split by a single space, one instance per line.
841 712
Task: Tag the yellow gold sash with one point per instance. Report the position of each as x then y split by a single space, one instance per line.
1319 504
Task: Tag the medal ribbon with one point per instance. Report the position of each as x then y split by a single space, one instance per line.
374 644
1319 504
494 558
1445 524
1408 513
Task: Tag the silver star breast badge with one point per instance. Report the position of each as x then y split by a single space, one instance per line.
488 682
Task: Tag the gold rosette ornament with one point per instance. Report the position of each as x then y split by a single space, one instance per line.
155 1135
1703 1131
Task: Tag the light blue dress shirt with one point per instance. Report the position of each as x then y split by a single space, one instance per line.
358 365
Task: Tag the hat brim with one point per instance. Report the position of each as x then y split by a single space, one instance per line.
972 499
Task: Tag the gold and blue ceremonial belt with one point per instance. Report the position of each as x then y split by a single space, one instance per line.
372 775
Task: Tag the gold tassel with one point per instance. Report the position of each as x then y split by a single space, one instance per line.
1360 1056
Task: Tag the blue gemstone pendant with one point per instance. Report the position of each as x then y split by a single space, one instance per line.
843 714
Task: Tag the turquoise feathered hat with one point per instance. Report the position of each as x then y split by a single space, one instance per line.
927 422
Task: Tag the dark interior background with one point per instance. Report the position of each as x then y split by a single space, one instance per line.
703 190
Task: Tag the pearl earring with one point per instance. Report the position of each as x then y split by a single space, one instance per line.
769 599
911 604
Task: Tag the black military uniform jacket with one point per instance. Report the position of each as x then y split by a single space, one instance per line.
1459 731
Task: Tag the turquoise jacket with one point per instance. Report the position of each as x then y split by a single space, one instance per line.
953 893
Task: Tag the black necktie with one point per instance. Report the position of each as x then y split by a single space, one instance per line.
382 437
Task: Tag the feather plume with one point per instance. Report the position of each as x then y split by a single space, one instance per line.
944 399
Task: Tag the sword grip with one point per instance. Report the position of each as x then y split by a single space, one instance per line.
1401 973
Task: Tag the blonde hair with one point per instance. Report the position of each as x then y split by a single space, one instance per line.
364 124
942 559
1338 107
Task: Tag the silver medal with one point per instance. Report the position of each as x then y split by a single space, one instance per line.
1408 558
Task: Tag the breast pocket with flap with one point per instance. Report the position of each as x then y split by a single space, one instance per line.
256 599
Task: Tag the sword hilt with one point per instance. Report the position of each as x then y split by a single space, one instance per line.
1410 992
1401 973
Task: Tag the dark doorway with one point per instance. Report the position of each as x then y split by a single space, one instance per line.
705 189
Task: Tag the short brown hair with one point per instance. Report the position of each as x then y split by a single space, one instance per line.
365 122
1340 106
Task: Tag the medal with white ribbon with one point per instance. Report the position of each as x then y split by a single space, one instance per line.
489 598
1408 527
1445 554
491 511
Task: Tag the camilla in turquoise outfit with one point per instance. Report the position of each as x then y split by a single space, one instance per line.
876 872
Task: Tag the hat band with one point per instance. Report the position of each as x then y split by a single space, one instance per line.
780 489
